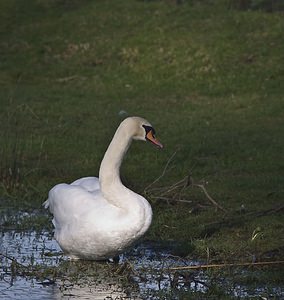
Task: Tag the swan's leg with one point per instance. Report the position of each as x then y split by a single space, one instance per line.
114 259
73 257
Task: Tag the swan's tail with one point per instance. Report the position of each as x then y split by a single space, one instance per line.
46 204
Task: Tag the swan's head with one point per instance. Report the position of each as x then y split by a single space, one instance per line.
142 130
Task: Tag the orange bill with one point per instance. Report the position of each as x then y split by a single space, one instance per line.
150 137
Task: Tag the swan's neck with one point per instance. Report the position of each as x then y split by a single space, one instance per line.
109 175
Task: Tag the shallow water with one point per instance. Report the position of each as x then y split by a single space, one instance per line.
31 248
142 273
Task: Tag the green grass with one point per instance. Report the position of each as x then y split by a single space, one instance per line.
210 80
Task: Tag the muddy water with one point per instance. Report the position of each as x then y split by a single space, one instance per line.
42 272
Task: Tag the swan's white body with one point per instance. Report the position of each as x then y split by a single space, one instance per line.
98 218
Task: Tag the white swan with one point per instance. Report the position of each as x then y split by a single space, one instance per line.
97 218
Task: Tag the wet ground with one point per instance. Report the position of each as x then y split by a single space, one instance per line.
32 266
79 279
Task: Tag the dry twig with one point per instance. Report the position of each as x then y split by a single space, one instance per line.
163 173
13 260
247 264
175 191
209 197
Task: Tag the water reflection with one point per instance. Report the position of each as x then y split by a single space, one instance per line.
84 280
80 279
32 266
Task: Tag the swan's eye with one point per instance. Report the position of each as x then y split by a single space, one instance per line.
150 136
149 129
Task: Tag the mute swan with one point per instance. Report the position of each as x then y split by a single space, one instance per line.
97 218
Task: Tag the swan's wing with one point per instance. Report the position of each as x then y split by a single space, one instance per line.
74 209
90 184
68 202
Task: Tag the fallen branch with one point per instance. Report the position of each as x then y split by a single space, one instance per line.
13 260
26 270
209 197
163 173
70 78
273 210
174 192
210 266
170 199
178 185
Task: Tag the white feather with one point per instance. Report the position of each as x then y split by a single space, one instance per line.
98 218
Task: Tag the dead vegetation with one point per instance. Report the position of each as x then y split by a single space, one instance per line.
176 191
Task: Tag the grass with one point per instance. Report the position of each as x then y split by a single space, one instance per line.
209 78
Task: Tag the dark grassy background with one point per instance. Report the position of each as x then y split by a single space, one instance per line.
207 76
